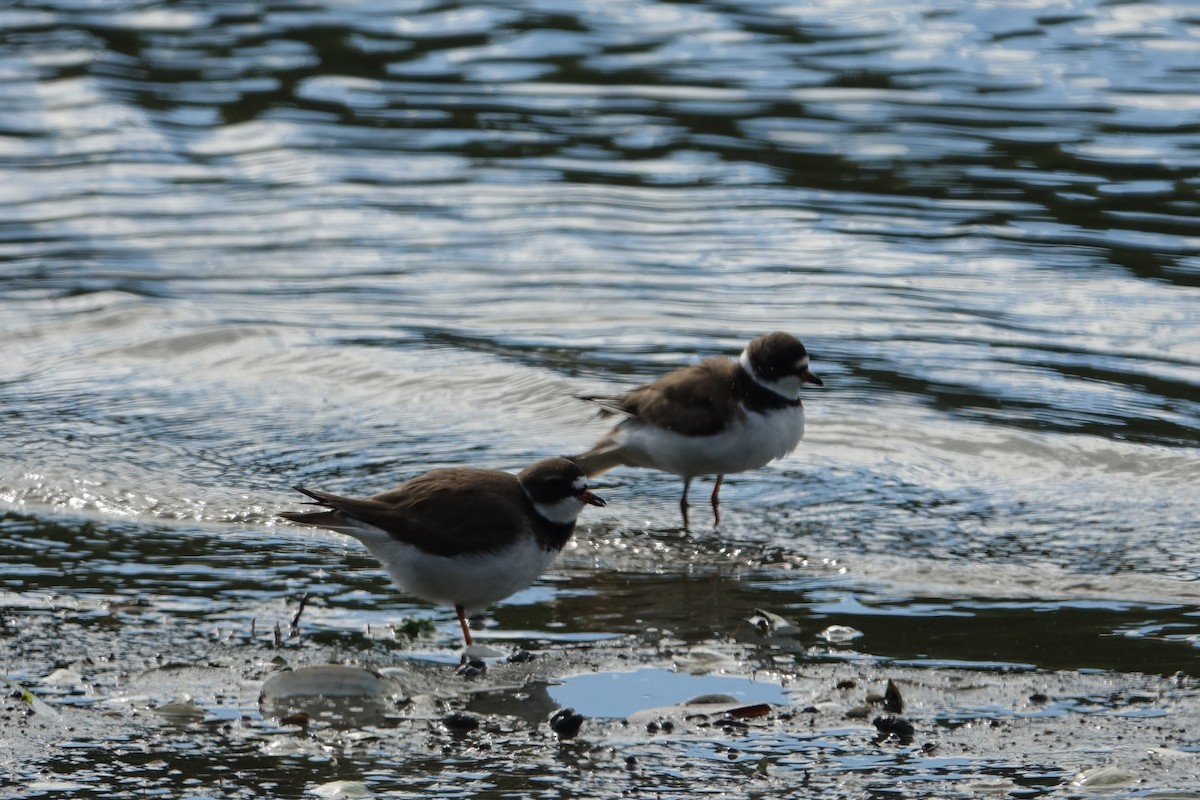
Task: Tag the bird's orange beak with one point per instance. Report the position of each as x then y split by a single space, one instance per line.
591 499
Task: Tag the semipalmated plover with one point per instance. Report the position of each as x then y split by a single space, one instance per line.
712 418
462 536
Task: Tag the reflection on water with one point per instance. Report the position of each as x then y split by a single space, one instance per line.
245 246
142 590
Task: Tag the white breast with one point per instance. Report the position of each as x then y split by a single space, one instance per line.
473 582
751 442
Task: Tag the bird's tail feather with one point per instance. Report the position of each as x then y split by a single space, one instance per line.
321 518
608 405
600 459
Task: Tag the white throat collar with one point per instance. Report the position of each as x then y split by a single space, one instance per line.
562 512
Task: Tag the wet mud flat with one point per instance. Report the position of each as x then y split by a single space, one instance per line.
259 713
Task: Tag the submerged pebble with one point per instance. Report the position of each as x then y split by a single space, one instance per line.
183 707
327 680
1106 777
339 789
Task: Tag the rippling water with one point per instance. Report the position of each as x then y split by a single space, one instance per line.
248 245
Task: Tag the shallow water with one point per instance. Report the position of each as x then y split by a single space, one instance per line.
247 246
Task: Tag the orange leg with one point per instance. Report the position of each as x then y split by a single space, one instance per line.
462 620
716 501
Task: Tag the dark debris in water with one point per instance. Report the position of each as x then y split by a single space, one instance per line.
461 722
893 728
566 723
892 701
472 668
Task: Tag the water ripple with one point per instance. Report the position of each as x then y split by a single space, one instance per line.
247 246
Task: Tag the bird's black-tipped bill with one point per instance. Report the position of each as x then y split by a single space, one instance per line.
808 377
591 499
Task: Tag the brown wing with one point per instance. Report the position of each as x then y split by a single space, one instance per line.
446 511
694 401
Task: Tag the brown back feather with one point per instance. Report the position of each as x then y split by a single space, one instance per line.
424 510
693 400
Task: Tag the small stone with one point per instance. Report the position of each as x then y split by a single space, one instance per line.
181 708
340 789
839 634
1105 778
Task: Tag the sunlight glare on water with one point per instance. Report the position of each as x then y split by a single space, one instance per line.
416 259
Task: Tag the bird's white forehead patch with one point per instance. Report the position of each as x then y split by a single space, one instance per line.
802 364
580 483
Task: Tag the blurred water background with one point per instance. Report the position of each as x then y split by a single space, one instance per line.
245 245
